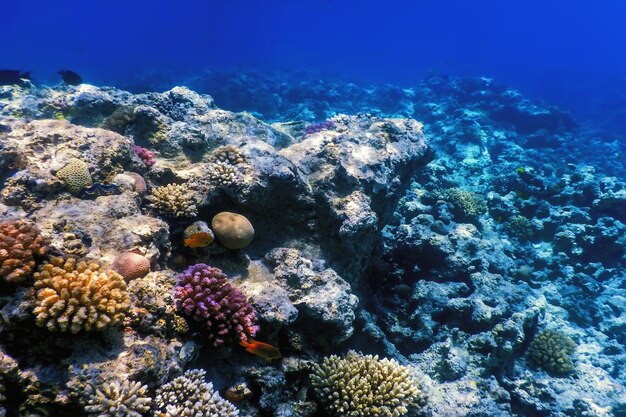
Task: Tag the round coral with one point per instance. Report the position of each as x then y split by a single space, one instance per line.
75 295
233 230
131 265
204 294
75 175
20 245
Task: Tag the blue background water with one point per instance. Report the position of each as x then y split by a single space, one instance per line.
571 53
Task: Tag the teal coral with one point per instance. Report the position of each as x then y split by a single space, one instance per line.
551 350
118 399
190 396
75 295
364 386
75 175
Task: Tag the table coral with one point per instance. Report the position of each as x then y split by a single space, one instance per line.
190 396
119 399
20 245
365 386
75 295
75 175
174 200
204 294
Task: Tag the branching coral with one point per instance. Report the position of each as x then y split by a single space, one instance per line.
229 155
119 399
190 396
467 203
222 174
364 386
20 245
146 156
75 175
551 350
174 200
76 295
204 294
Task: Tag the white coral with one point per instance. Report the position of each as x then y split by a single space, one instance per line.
115 399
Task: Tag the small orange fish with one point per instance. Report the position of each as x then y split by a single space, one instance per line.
262 350
199 240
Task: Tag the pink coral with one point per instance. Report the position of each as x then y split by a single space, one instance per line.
146 156
131 265
204 294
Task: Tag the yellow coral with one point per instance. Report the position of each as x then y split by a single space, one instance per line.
364 386
75 175
76 295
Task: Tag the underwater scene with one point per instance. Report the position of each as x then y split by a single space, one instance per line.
313 208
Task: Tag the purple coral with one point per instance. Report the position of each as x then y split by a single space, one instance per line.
146 156
318 127
204 294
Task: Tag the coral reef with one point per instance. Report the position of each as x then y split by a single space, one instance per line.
75 295
174 200
232 230
146 156
190 396
119 399
365 386
131 265
466 203
75 175
21 244
204 294
551 351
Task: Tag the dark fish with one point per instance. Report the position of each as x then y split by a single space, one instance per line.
70 77
10 77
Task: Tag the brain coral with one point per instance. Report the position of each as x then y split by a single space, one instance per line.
233 230
131 265
551 350
20 246
119 399
204 294
364 386
75 175
190 396
174 200
74 295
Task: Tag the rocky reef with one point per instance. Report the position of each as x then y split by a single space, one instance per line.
467 264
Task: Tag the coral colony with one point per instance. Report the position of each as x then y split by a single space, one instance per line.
163 257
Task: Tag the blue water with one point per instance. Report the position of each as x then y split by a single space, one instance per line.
569 53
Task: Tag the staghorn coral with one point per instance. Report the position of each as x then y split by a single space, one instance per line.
204 294
76 295
222 174
466 203
364 386
20 245
118 399
190 396
229 155
551 351
75 175
174 200
233 230
131 265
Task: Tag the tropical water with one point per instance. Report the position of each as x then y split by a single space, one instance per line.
308 208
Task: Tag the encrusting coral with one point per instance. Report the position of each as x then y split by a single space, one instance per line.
118 399
75 175
190 396
364 386
20 245
551 350
174 200
204 294
233 230
75 295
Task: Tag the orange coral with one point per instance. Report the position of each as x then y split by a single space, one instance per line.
75 295
20 244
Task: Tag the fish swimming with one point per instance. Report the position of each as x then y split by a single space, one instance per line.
262 350
70 77
11 77
198 235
